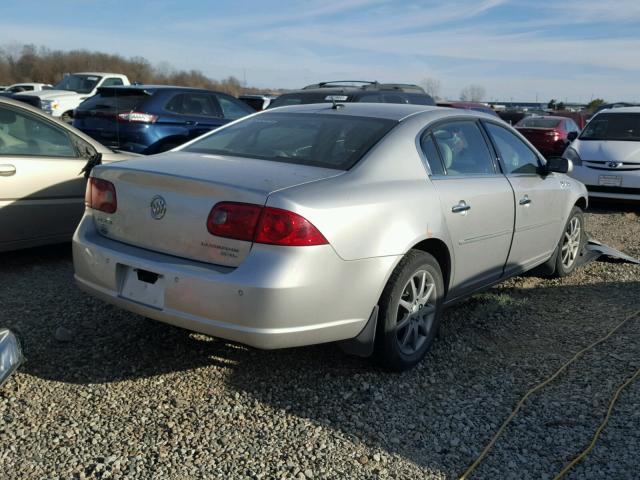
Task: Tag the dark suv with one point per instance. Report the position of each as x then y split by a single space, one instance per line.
154 118
355 91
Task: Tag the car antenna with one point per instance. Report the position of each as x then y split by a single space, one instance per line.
336 106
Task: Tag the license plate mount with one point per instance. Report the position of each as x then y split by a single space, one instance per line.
143 286
610 180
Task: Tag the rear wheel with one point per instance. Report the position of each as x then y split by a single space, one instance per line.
571 243
410 310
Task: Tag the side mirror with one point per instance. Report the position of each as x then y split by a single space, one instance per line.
572 136
10 354
558 165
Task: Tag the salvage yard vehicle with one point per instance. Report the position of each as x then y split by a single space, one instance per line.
24 87
150 119
549 134
606 155
355 91
41 189
71 91
319 223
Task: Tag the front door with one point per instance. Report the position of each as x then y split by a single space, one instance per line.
477 203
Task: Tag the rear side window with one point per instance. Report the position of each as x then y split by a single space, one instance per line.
516 156
115 101
112 82
232 108
194 104
431 152
328 141
463 149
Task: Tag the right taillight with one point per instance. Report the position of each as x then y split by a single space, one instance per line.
249 222
101 195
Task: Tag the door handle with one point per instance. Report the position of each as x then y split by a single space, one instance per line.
461 207
7 170
525 200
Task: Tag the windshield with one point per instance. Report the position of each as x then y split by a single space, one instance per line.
328 141
537 122
613 126
78 83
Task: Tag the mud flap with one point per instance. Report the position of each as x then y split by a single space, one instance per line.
362 345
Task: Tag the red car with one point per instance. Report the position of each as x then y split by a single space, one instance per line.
550 135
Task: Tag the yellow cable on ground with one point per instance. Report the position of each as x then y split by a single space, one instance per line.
519 405
612 403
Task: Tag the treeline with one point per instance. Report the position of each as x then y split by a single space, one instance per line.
29 63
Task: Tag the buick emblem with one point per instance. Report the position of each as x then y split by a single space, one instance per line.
613 164
158 207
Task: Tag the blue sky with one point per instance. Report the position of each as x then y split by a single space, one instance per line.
520 50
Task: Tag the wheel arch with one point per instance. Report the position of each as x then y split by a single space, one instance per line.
582 203
440 251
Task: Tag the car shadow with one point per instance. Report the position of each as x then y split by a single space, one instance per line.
405 414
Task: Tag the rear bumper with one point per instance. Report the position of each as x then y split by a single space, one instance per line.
279 297
629 188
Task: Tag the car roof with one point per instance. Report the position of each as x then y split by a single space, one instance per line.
102 74
621 110
157 87
388 111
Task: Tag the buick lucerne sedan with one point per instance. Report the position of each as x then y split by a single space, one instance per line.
318 223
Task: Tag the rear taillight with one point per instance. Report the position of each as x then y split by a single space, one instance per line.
137 117
248 222
101 195
553 133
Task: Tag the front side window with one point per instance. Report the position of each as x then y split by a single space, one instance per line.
233 109
463 149
516 156
25 135
327 141
613 126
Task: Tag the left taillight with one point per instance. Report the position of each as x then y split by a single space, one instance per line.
101 195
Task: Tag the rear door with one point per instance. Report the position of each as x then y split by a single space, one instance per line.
41 191
538 200
477 202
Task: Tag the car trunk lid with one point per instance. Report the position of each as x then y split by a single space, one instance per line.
163 202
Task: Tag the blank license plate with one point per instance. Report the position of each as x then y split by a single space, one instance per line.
143 287
610 180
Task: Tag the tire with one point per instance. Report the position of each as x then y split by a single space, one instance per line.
66 117
409 319
571 244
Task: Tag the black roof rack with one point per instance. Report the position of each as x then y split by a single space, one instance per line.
366 85
341 83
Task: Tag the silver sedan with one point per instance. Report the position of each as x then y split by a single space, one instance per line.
41 188
356 223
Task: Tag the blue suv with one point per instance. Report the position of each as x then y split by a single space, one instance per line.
150 119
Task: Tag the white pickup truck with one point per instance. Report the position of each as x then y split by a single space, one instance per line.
70 92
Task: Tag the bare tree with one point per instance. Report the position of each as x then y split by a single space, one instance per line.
472 93
431 86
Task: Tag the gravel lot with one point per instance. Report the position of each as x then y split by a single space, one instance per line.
108 394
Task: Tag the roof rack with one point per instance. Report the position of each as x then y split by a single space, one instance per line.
341 83
404 87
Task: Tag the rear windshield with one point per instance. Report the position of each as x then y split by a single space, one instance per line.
613 126
533 122
328 141
115 101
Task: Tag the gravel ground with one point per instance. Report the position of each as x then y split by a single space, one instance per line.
107 394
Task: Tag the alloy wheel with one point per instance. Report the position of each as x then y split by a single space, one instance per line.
571 243
416 312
